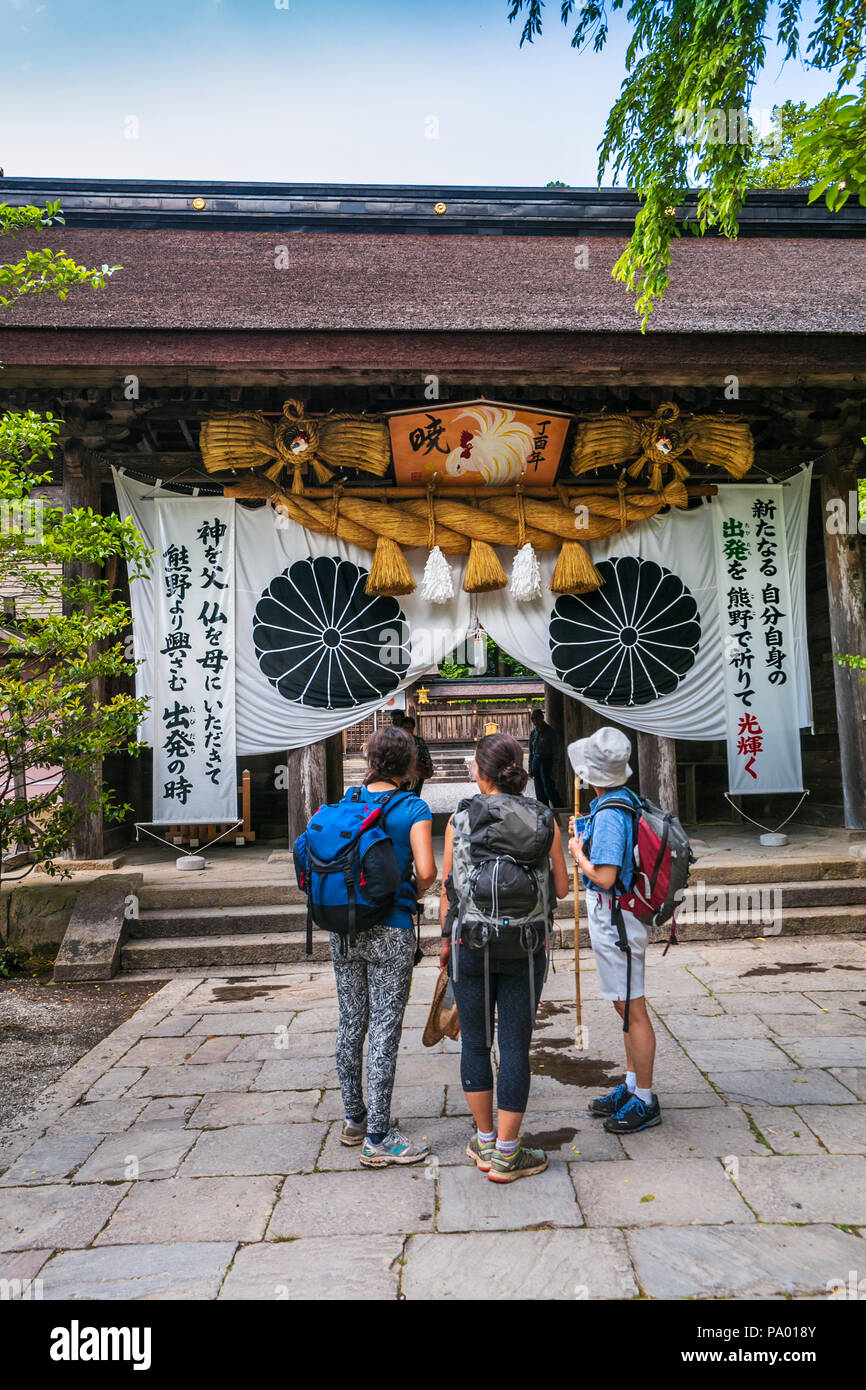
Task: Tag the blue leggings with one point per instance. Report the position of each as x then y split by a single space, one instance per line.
510 1002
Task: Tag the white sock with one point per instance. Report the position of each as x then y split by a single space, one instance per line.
630 1080
486 1138
643 1094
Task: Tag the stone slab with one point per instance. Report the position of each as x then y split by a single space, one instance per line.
468 1201
518 1265
818 1188
838 1024
188 1209
187 1270
114 1083
246 1024
255 1149
744 1054
168 1112
343 1268
852 1078
218 1049
841 1128
741 1261
90 949
154 1052
17 1273
783 1129
752 1002
50 1159
361 1203
190 1081
218 1109
257 1047
792 1087
55 1216
175 1026
688 1027
99 1117
828 1052
696 1134
656 1192
144 1152
296 1074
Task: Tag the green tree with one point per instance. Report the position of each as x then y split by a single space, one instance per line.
681 117
64 633
778 159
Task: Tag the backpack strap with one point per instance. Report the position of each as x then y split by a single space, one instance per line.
618 921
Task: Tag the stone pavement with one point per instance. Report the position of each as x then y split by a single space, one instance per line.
194 1154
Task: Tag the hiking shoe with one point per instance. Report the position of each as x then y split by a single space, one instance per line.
394 1148
523 1163
481 1154
353 1133
634 1115
608 1105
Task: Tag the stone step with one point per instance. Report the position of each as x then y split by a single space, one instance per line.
169 902
276 947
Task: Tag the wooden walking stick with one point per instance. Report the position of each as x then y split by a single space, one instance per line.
577 1003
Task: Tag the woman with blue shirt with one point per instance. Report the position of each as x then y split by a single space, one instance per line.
605 857
373 976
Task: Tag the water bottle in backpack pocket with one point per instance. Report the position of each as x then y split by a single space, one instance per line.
346 865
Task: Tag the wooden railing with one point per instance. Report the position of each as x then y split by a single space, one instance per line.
466 725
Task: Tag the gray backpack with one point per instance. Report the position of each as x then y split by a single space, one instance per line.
500 882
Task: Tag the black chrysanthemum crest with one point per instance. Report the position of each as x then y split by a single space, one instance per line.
632 640
321 640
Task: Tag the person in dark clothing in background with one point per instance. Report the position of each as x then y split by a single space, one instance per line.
423 761
544 753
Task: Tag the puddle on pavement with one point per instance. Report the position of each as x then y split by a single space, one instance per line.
239 994
549 1009
550 1139
573 1071
786 967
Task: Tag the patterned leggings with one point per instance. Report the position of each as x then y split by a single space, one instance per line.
373 980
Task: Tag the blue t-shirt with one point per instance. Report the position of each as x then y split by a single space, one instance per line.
612 837
405 810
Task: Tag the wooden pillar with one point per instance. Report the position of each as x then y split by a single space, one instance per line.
657 768
334 751
308 785
81 489
843 556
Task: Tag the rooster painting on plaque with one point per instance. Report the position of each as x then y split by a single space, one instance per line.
477 444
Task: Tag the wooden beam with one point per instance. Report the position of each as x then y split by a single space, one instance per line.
257 486
843 558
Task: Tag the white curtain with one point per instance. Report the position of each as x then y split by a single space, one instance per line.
278 707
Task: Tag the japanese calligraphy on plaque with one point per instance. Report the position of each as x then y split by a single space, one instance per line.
477 443
758 657
194 767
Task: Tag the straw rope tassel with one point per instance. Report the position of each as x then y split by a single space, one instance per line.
390 574
484 573
578 1014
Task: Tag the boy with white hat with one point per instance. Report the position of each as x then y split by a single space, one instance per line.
605 856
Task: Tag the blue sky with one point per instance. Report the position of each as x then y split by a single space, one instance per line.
331 91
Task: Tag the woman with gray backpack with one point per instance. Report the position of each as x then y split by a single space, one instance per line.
502 870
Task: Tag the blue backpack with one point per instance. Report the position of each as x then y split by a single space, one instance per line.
346 864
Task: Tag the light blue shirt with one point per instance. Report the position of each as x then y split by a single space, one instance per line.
612 836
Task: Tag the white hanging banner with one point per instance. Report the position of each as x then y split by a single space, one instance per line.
194 768
760 659
313 653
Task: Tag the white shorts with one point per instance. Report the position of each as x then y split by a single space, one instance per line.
610 960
